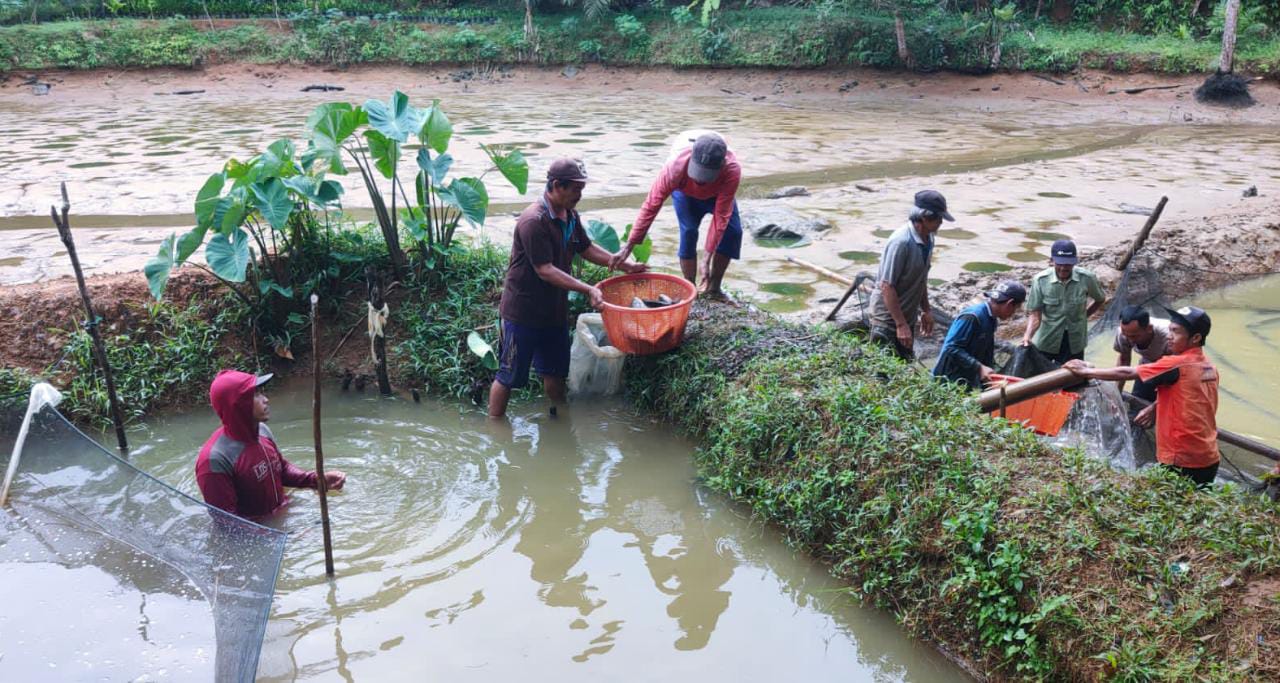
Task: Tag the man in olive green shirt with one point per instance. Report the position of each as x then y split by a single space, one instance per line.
1057 313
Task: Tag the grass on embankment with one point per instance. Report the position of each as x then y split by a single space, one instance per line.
783 37
1028 561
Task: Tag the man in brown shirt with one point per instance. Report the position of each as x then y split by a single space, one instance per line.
535 295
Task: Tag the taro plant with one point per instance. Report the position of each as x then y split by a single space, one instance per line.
249 208
438 204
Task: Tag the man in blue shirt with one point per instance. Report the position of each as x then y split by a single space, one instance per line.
969 350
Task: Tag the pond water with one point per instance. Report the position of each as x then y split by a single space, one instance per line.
577 547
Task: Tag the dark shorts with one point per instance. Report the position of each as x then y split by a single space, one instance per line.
1064 352
690 212
889 337
1202 476
545 348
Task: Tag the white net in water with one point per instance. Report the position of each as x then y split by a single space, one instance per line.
110 574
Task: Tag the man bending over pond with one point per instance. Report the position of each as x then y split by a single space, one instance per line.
240 468
701 176
1186 406
535 295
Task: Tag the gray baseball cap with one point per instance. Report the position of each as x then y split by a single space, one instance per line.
707 159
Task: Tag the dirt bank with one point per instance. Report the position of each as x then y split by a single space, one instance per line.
1163 96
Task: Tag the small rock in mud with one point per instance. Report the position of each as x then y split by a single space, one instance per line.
1252 191
789 191
848 85
757 98
828 299
995 87
865 188
464 75
40 89
570 71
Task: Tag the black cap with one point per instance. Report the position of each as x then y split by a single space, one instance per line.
707 159
1008 290
1193 320
1064 253
572 170
935 202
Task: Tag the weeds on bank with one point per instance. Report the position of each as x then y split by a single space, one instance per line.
168 354
1040 564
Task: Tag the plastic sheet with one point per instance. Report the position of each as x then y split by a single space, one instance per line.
595 367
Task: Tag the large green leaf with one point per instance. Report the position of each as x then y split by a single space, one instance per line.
228 258
436 167
158 268
604 235
513 166
469 196
481 348
436 128
642 251
328 127
189 243
207 199
272 200
416 225
385 152
278 159
394 118
230 211
329 192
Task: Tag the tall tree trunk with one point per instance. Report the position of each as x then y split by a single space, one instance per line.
1227 62
34 5
900 31
530 33
1039 8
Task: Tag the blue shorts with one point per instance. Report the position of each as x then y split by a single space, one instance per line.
690 212
545 348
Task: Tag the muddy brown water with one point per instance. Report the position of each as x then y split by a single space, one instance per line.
572 548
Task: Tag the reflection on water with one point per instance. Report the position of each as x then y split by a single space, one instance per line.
80 606
575 548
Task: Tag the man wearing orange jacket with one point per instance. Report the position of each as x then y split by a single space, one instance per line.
701 177
1186 406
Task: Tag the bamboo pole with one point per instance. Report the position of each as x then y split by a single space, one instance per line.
821 271
1026 389
91 320
322 484
1143 235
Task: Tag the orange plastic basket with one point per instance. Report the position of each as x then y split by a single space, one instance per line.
1044 414
643 331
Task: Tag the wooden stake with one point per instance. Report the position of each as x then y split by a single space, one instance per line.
322 484
374 284
1143 235
91 320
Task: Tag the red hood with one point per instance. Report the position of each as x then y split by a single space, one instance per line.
231 395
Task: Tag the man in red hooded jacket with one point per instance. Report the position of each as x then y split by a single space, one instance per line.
240 469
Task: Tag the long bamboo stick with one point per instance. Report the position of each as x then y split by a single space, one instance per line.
1026 389
1143 235
322 484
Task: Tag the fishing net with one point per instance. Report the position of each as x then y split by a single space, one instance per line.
117 576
